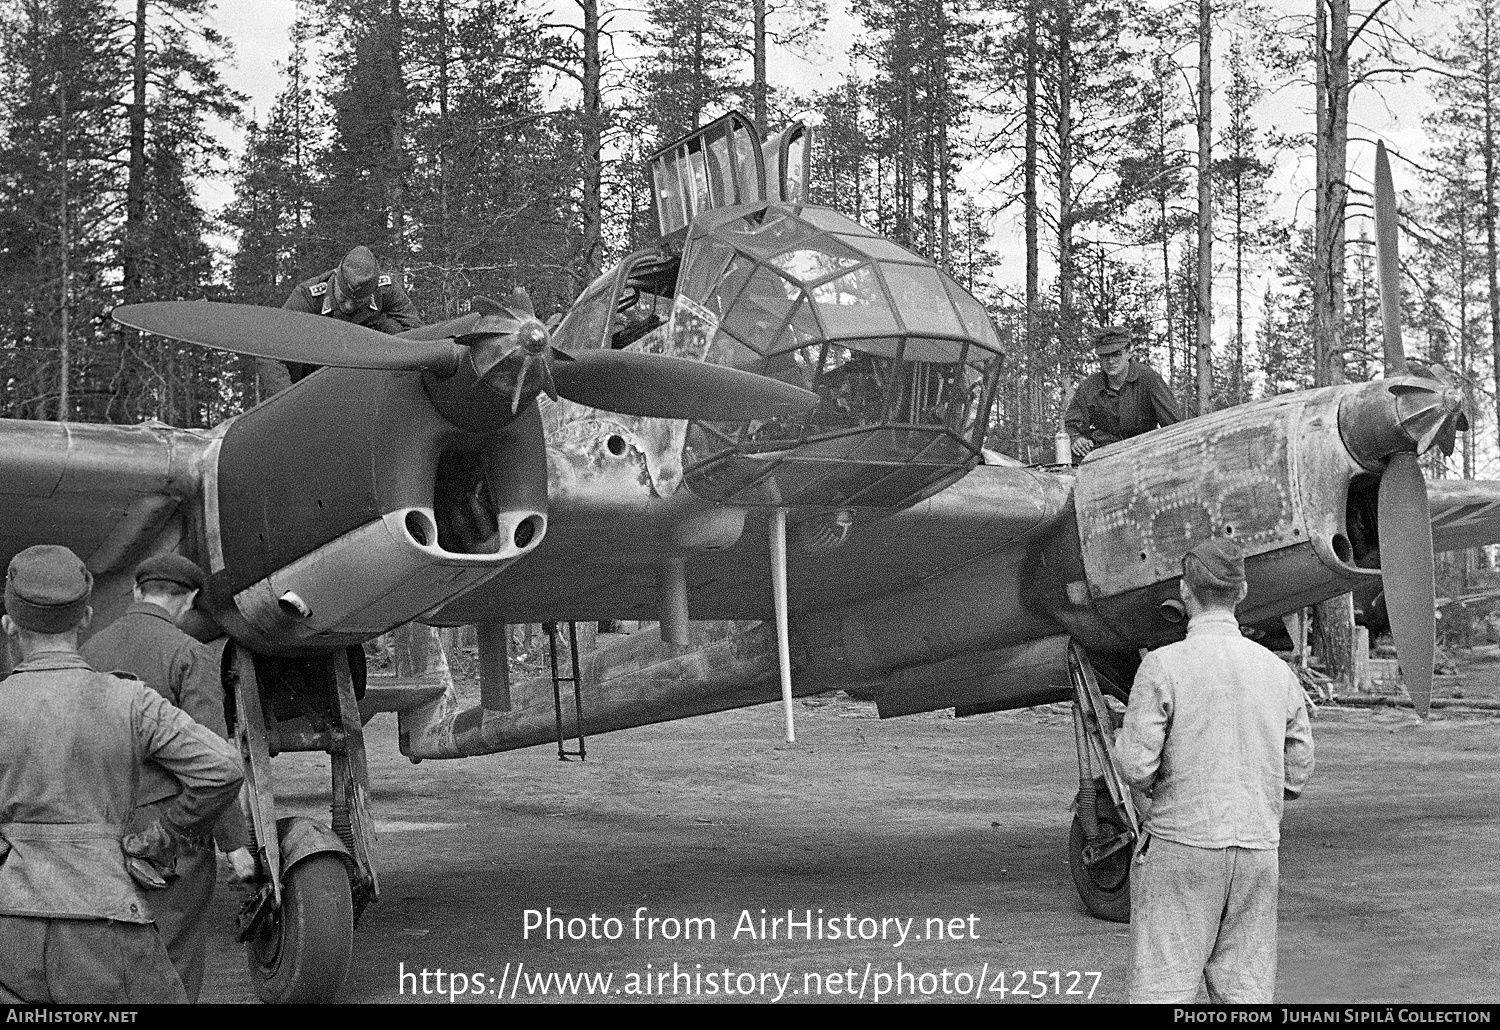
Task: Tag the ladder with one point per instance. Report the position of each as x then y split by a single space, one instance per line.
563 754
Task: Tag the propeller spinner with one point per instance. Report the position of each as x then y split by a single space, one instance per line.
508 346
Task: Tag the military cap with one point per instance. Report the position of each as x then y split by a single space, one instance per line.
47 589
1111 338
170 568
1217 564
358 273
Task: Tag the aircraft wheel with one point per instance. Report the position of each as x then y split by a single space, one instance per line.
303 955
1105 889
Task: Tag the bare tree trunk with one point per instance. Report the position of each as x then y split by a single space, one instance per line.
758 80
1033 255
135 185
1491 253
396 185
589 257
1334 620
1065 170
944 184
1204 364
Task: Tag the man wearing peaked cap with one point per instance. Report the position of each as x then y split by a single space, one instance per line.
1123 399
355 291
146 643
1217 735
74 927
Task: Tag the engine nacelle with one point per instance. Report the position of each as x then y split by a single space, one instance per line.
348 505
1275 476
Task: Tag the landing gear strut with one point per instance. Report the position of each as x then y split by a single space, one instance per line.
1105 825
298 928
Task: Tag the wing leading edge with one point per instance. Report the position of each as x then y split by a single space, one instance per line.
107 492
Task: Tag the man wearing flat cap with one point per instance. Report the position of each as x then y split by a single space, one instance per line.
1123 399
146 643
74 927
356 291
1216 733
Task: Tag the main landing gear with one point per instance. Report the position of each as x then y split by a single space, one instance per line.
298 928
1105 825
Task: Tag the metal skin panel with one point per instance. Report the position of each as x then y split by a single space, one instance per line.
1273 476
608 530
367 581
114 494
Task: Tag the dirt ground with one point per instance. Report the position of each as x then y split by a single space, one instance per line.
1390 863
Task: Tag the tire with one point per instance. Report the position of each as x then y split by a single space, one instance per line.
303 955
1104 889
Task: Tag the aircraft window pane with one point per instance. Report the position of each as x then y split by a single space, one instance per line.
794 160
884 250
761 309
823 218
919 296
668 198
692 327
698 165
704 261
721 172
851 388
747 171
584 327
920 348
798 367
802 329
981 327
778 232
726 350
878 346
723 292
809 264
854 305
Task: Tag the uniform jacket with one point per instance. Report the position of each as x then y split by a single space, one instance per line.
146 643
1142 403
388 310
72 742
1216 731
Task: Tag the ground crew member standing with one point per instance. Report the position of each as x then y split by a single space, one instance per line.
356 291
1123 399
1216 732
146 643
73 926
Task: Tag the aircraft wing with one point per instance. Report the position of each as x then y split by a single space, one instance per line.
605 543
1465 513
107 492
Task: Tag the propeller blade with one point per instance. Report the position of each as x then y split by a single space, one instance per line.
658 386
1406 571
452 329
1388 264
287 335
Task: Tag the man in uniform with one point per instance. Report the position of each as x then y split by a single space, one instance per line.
146 643
1217 734
73 926
355 291
1123 399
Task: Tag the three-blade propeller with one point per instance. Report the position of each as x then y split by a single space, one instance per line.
628 382
1405 517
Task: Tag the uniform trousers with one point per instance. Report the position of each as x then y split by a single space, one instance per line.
84 962
1202 914
181 909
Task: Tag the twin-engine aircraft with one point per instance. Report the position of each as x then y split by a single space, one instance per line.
763 433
